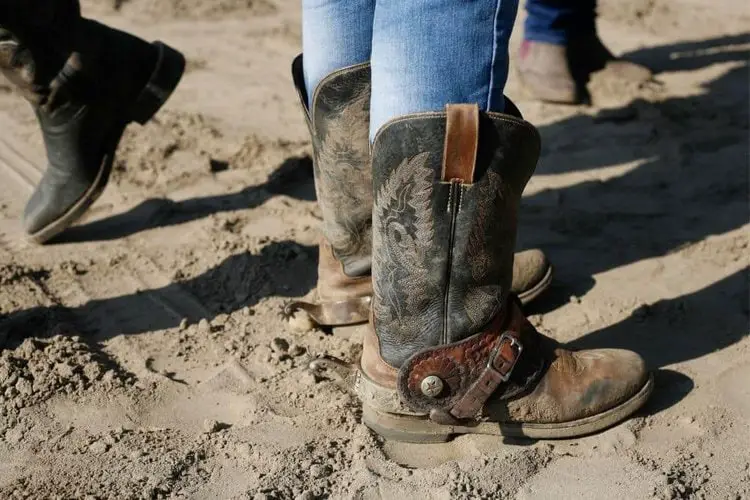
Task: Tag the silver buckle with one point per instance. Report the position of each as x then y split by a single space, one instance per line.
505 337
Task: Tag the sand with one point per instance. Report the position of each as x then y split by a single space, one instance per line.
145 356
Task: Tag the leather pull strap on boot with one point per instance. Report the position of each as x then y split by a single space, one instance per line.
450 350
339 123
87 82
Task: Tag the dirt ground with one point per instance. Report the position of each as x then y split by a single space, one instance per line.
145 355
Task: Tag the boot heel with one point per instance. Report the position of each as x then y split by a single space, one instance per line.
169 69
404 428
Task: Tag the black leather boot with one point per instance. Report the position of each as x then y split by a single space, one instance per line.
86 82
450 351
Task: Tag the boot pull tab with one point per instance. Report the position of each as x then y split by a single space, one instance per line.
461 143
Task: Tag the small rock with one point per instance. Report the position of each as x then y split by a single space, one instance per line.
14 435
210 425
279 345
318 471
204 326
24 387
98 447
183 324
301 322
244 450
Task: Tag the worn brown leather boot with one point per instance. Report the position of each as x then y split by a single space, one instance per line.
559 73
450 351
339 122
86 82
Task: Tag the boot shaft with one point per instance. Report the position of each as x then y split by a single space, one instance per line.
54 56
36 38
339 121
447 189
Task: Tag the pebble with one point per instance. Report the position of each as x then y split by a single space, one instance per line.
318 471
98 447
301 322
210 425
204 326
183 324
244 450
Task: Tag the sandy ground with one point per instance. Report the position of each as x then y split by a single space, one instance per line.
145 356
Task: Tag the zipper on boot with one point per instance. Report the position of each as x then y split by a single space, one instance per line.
454 206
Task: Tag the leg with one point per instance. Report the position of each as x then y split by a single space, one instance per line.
422 60
554 21
335 34
449 350
561 50
86 82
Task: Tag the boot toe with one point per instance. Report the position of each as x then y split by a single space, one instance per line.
581 384
36 215
614 377
532 273
52 206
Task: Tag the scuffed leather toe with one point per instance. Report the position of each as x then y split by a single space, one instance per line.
581 384
530 269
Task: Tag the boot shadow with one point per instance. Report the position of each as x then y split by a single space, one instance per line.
681 178
280 269
293 178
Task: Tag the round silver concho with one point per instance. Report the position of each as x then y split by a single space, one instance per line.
432 386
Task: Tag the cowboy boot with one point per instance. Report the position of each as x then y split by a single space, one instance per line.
339 121
86 82
449 350
559 73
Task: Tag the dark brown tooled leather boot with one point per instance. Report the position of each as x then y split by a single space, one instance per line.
86 82
339 122
559 73
450 351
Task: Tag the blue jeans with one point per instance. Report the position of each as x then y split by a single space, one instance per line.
556 21
424 54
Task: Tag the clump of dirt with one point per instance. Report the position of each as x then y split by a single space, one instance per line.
173 146
41 368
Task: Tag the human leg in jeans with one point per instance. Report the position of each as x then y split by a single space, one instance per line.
449 350
86 82
561 50
334 84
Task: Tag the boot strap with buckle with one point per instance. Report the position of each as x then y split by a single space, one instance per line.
453 382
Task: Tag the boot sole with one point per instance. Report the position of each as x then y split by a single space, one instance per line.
411 429
169 70
538 289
